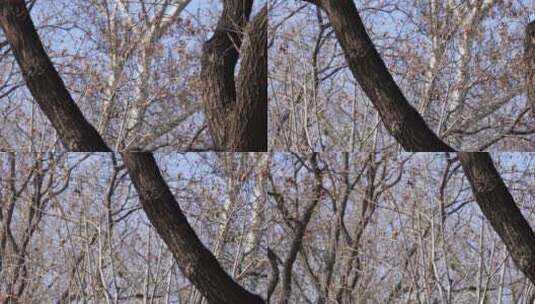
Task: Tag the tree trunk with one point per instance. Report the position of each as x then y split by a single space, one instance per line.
400 118
237 113
196 262
408 127
499 207
44 82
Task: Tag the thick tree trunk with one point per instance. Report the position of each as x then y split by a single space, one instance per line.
44 82
249 124
529 45
196 262
237 113
408 127
400 118
500 209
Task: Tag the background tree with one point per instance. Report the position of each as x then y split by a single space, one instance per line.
393 228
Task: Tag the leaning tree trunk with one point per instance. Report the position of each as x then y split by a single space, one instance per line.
237 110
196 262
408 127
499 207
529 46
401 119
44 82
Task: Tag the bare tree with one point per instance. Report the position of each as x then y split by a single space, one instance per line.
392 228
436 51
163 211
136 64
73 229
369 70
401 119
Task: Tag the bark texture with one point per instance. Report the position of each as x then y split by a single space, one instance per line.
499 207
237 112
529 45
409 129
44 82
400 118
196 262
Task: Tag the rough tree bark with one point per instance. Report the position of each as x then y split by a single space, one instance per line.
529 45
400 118
237 112
44 82
196 261
500 209
408 127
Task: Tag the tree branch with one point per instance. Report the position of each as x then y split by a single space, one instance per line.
299 233
197 263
